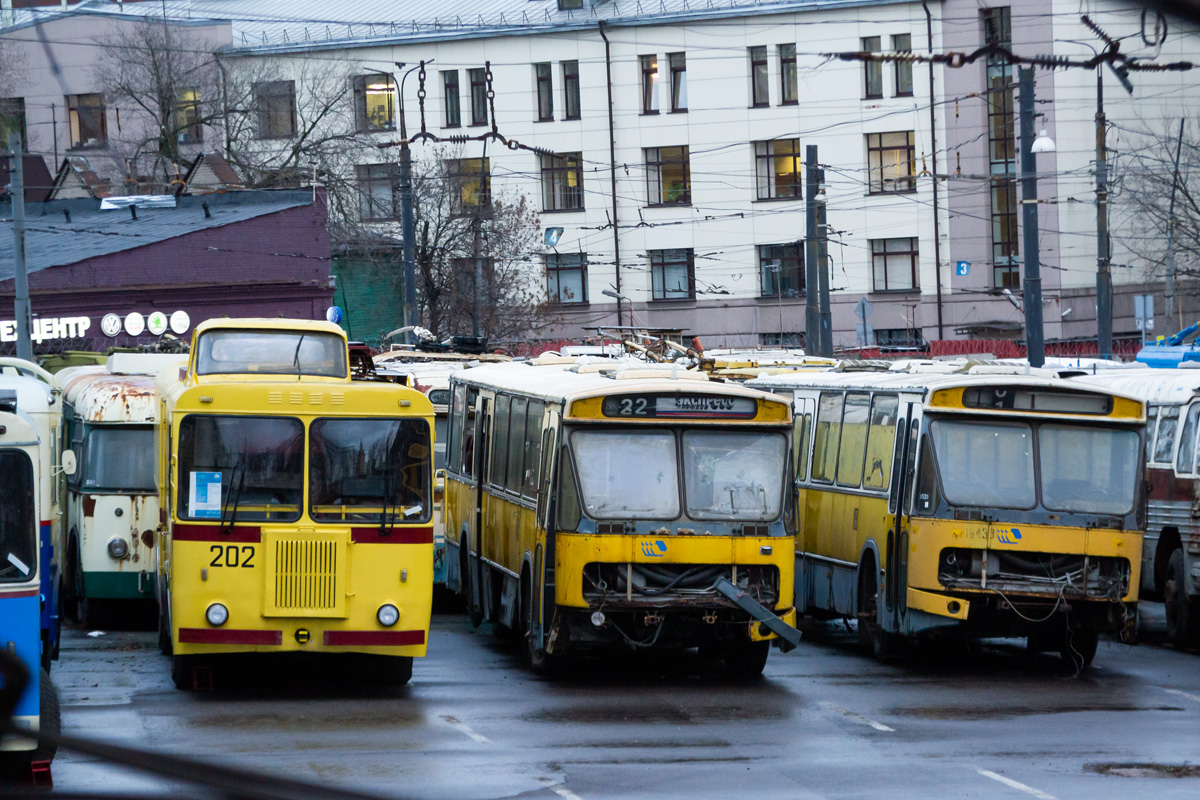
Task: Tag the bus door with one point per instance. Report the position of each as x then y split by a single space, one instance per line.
904 460
543 554
479 463
804 408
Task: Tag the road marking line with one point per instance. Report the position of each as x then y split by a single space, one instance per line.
559 789
466 729
859 718
1195 697
1020 787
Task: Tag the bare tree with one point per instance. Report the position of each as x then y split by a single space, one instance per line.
12 75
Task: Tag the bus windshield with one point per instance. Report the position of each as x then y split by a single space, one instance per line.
118 459
243 468
18 537
627 474
733 475
362 469
263 352
1081 469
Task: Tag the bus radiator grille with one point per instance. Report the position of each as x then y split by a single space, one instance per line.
306 575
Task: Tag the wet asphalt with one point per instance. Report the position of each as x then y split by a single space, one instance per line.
825 721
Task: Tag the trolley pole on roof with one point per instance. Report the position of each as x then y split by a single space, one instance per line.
21 300
812 314
1035 343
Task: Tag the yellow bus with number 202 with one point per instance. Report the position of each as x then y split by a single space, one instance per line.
600 505
297 503
977 504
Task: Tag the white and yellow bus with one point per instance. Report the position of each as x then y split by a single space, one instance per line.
983 505
112 499
614 505
298 504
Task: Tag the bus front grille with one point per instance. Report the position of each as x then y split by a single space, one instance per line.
308 577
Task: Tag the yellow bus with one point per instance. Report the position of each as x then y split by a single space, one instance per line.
604 504
983 505
297 504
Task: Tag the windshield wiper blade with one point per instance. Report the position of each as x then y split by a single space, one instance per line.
296 358
228 528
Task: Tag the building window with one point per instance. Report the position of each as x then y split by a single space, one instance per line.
377 191
276 101
673 274
562 182
453 104
88 117
894 265
188 129
678 63
12 120
760 93
1002 152
872 70
788 89
566 278
479 114
668 176
569 5
375 102
649 84
902 43
780 268
781 339
890 161
778 168
570 71
470 180
906 338
545 92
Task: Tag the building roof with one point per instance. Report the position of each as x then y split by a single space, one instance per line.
54 238
292 25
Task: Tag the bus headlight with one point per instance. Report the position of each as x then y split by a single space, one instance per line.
216 614
388 615
118 548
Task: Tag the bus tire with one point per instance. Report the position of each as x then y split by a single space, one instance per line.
77 606
394 670
474 608
745 662
183 670
165 645
882 645
50 721
1183 616
541 662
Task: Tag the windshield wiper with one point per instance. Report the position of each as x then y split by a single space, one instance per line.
228 528
296 358
388 475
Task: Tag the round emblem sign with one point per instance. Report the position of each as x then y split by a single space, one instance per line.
180 322
157 323
110 325
333 314
135 323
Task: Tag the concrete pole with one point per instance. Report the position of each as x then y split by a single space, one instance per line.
1171 327
21 301
409 227
1032 279
823 266
1103 257
812 316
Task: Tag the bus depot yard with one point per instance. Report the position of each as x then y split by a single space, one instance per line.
673 573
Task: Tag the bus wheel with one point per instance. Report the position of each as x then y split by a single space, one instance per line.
50 721
1182 611
76 602
183 669
746 661
469 587
883 645
164 630
394 670
537 658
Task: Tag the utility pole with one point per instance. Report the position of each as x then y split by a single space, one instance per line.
823 266
408 224
1170 265
812 315
1103 257
21 301
1035 343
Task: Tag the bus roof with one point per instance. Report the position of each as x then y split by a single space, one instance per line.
99 396
269 324
34 396
1153 385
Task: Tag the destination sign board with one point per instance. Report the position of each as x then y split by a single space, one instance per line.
679 406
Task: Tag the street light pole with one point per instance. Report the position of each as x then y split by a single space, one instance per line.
1103 257
1035 344
408 222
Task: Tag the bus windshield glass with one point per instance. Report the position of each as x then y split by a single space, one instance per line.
627 474
985 464
264 352
439 447
240 468
362 469
18 537
118 459
1102 465
733 475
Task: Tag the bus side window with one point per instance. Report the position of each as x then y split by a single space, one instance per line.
926 497
499 466
1164 442
880 437
77 445
568 494
1185 462
1151 428
825 440
468 434
533 442
457 406
516 444
897 468
910 465
800 437
854 439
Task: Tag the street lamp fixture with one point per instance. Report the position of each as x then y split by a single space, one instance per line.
613 293
1043 143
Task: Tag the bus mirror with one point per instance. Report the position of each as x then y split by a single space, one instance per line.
69 463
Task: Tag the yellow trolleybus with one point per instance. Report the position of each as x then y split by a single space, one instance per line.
602 504
297 505
989 504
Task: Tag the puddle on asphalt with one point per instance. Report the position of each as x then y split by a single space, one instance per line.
657 714
651 743
390 718
1005 712
1145 770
